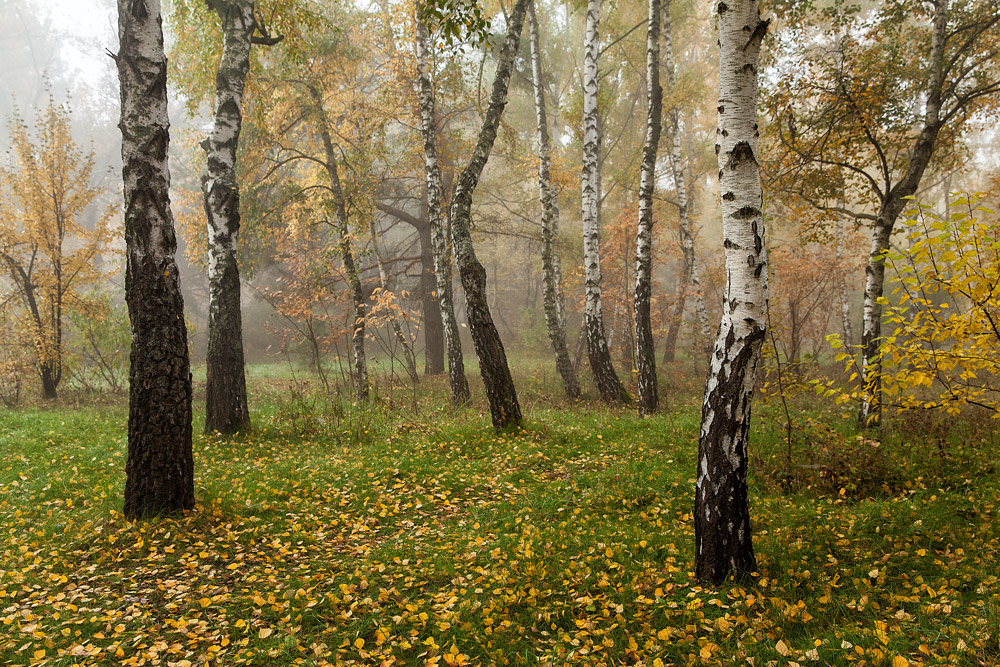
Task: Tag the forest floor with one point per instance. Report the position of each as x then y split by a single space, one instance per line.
410 533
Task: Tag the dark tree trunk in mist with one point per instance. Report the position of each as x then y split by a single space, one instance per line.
645 352
722 510
504 407
457 382
608 384
551 274
160 467
226 408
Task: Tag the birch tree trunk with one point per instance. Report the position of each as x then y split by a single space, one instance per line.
645 353
722 512
457 382
160 467
691 276
397 330
339 210
892 206
845 304
504 407
551 274
226 408
608 384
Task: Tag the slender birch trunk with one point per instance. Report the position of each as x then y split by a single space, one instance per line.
722 510
691 276
551 274
504 407
226 408
457 382
397 330
645 352
608 384
892 206
160 466
845 304
339 210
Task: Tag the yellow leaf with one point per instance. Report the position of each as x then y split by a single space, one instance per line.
359 643
900 661
265 633
204 602
781 647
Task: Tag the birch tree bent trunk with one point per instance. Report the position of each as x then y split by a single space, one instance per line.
722 512
339 211
551 278
645 353
504 407
608 384
159 472
457 382
226 409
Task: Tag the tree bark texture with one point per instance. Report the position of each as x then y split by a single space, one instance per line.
457 382
722 512
551 274
434 346
339 210
845 304
226 409
504 407
645 352
892 206
160 467
608 384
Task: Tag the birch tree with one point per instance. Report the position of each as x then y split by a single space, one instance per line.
690 283
226 409
842 130
608 384
160 467
722 512
645 353
458 384
337 208
504 407
555 322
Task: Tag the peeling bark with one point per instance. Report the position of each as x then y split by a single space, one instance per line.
551 274
457 382
504 407
645 353
608 384
226 408
341 223
722 511
160 466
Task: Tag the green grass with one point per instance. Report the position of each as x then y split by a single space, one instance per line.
409 532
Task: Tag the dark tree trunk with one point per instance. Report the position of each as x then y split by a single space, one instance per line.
433 325
160 467
504 407
645 351
676 317
50 381
226 408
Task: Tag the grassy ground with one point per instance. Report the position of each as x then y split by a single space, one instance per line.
408 532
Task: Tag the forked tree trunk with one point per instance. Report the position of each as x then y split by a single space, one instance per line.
722 511
226 408
457 382
397 329
691 276
645 352
608 384
160 467
551 278
504 407
339 211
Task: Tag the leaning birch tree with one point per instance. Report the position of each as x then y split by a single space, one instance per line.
645 352
458 384
500 392
722 511
608 384
226 409
159 470
555 322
